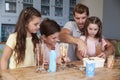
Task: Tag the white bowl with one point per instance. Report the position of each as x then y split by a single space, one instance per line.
99 62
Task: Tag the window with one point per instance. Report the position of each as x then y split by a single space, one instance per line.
72 4
6 30
45 7
59 8
10 6
27 3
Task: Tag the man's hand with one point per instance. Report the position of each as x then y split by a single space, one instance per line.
81 49
65 36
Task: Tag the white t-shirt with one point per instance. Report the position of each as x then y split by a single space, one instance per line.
72 26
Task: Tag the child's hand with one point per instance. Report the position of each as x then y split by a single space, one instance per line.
102 55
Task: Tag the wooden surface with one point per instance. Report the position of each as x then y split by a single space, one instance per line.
69 73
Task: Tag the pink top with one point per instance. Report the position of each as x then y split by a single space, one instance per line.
46 52
91 45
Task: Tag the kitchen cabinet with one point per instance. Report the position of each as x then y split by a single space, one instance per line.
59 10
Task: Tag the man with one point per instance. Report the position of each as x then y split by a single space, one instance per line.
73 30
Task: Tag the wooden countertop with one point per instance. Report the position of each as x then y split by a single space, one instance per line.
69 73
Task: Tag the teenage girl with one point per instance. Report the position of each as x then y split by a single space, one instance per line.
20 46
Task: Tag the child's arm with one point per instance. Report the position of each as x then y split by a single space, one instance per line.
5 57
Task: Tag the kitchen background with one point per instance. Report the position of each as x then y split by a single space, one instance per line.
61 11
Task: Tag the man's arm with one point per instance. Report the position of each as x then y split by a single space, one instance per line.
110 49
65 36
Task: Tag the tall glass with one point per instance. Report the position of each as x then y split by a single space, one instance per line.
39 58
63 51
110 61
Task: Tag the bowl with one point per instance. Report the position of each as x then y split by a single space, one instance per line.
99 62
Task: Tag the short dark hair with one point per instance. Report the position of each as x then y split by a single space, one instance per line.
49 27
80 8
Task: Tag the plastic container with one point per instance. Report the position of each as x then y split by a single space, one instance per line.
90 68
99 62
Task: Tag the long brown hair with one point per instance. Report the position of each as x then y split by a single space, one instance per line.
93 20
25 17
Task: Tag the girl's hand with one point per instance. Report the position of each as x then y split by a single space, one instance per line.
102 55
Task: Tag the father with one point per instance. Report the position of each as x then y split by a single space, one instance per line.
73 30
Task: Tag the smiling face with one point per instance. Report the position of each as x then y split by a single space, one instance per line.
49 30
92 29
51 40
33 26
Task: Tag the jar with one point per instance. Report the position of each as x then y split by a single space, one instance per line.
110 61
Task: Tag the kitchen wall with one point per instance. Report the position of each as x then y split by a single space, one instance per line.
109 12
111 19
95 7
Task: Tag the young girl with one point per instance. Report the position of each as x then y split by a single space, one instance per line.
20 45
49 30
93 37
